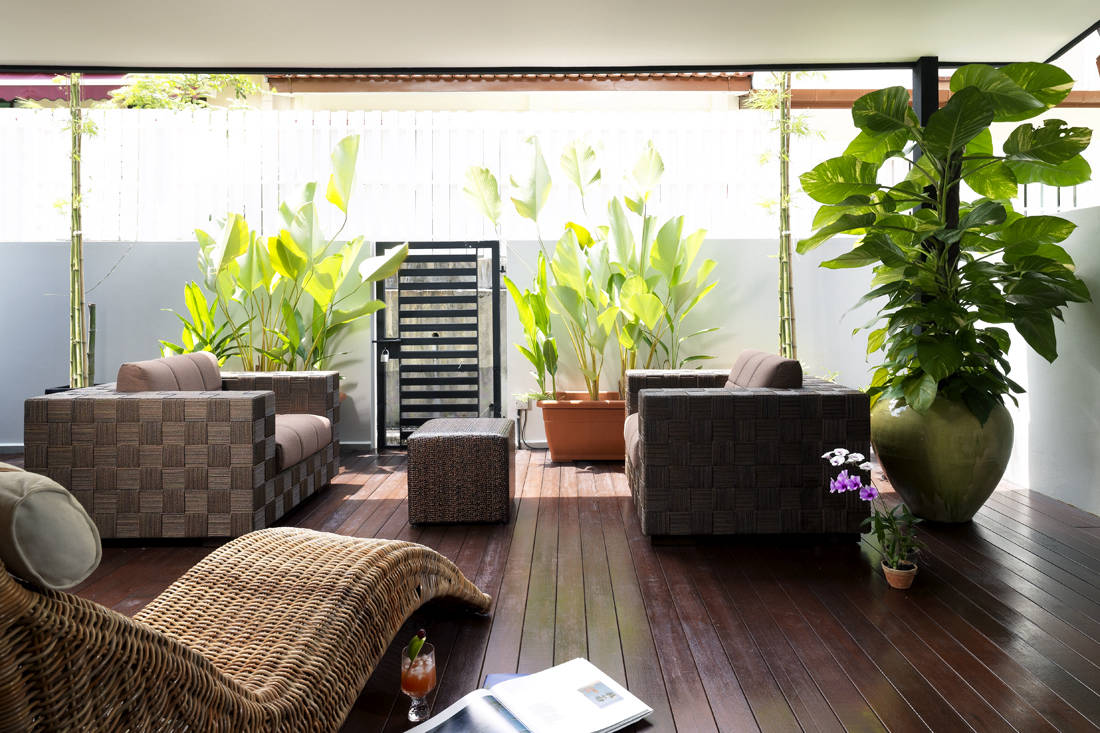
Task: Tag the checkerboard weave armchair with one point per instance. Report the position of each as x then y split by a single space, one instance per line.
183 463
705 456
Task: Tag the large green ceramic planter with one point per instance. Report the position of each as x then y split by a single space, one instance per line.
943 463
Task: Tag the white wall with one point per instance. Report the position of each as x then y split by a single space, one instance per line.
1063 431
34 322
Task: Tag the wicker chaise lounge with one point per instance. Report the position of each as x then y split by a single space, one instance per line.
275 631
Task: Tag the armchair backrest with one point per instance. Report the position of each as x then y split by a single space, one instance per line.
196 372
761 369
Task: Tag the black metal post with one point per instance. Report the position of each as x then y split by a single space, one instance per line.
498 358
926 87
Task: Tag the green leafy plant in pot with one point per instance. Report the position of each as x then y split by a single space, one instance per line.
952 272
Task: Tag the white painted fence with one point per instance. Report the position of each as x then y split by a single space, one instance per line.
153 175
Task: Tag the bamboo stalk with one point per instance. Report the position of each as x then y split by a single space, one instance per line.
78 367
788 347
91 344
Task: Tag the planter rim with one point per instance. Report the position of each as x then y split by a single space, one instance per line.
580 399
911 569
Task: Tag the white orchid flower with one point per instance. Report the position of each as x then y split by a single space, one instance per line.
840 452
837 461
866 466
855 457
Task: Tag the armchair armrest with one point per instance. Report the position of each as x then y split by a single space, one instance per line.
149 463
639 379
316 393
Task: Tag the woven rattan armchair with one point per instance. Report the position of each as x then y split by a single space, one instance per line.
275 631
711 459
183 464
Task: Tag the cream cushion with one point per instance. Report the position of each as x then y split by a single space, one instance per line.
46 537
299 436
196 372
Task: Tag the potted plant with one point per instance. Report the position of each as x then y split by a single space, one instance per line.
603 284
952 272
893 528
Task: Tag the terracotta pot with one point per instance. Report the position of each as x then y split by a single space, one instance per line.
900 579
580 429
943 463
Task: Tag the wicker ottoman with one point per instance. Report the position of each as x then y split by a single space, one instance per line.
462 470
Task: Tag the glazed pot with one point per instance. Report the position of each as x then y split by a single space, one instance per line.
900 578
580 429
943 463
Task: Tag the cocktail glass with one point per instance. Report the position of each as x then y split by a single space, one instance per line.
417 680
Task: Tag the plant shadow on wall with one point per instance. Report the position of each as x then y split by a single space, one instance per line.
951 271
620 280
282 302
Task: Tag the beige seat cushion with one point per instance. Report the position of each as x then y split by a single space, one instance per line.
299 436
196 372
633 437
46 537
761 369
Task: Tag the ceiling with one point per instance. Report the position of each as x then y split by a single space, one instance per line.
570 34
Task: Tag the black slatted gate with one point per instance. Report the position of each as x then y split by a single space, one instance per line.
438 345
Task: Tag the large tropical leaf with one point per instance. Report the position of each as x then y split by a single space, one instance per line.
1054 142
482 187
649 169
920 392
877 148
990 178
533 192
1073 172
342 180
580 165
321 283
1009 100
380 267
286 256
666 250
856 223
963 118
883 111
1037 328
834 180
1046 82
621 235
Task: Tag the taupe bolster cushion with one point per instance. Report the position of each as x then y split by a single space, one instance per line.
46 537
761 369
298 436
196 372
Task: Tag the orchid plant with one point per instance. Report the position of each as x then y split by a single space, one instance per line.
893 528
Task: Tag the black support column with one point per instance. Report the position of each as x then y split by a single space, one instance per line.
926 87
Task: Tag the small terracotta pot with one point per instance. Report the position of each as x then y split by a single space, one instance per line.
580 429
900 579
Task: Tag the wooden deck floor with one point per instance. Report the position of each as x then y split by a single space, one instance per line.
1000 632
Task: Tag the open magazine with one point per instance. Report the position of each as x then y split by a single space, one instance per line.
574 697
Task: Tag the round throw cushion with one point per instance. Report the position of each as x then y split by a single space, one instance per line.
46 537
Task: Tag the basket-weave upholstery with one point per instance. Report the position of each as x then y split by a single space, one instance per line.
717 460
275 631
182 464
462 470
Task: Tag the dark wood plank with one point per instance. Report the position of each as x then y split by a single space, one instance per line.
602 627
686 694
570 629
643 677
1059 510
536 649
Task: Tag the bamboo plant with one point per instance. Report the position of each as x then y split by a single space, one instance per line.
78 334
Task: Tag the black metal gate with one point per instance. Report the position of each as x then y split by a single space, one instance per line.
438 338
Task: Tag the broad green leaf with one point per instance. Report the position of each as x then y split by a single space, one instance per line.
951 127
352 314
1074 171
1046 82
523 309
861 256
986 213
305 230
350 253
836 179
580 165
567 266
482 187
648 170
197 307
666 251
286 257
322 280
876 339
883 111
877 148
621 235
584 237
253 270
845 223
1037 328
380 267
569 303
1054 142
534 191
689 248
941 359
231 242
920 393
1009 101
989 178
1040 229
647 307
293 333
342 180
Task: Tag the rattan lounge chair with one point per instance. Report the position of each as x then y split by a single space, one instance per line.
277 630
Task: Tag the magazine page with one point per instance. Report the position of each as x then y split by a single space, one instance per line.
574 697
478 712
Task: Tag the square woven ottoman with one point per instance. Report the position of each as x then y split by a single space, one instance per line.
462 470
